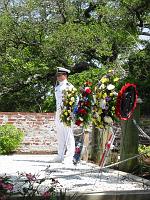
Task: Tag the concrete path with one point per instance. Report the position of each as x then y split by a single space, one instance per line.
85 177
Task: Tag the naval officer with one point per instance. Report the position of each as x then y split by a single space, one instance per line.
65 137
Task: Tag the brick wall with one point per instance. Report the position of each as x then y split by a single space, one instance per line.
39 130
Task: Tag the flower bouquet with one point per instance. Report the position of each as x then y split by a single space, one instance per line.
105 100
69 101
83 110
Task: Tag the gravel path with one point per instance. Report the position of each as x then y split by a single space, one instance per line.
72 178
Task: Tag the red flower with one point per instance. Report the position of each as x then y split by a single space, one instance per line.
30 177
82 111
7 186
78 122
88 90
87 103
46 195
88 83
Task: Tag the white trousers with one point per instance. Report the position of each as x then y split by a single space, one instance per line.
66 141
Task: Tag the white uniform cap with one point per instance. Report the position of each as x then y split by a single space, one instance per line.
62 70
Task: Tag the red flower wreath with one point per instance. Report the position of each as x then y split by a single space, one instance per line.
126 101
83 110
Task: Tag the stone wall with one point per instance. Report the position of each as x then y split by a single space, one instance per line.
39 130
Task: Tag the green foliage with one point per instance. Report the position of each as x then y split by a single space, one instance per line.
139 73
49 105
10 138
144 168
139 63
144 149
37 36
92 75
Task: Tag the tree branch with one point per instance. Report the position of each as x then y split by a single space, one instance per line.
89 9
62 11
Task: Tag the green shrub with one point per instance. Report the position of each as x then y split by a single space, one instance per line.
144 149
10 138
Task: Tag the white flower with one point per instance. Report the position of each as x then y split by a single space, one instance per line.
115 93
108 119
102 87
69 89
102 103
81 119
110 87
74 89
68 118
94 98
72 99
86 88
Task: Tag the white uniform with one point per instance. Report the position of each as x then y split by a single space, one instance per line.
66 142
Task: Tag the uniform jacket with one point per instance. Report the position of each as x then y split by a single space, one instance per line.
59 93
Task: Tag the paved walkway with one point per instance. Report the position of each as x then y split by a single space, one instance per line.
72 178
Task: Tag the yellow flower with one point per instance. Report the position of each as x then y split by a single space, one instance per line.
104 80
69 111
94 120
101 126
99 119
100 111
66 113
116 79
111 94
113 108
99 94
70 103
104 95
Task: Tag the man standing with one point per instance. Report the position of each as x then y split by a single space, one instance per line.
65 137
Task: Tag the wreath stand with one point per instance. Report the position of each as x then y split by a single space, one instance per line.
125 106
106 145
81 146
129 141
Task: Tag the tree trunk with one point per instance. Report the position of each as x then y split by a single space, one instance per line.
129 142
96 150
98 143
